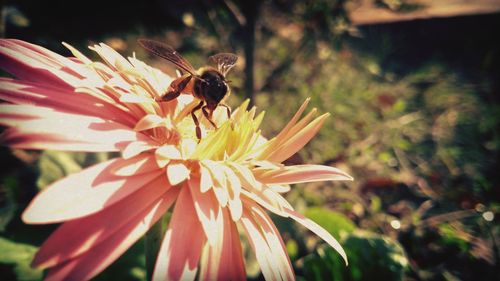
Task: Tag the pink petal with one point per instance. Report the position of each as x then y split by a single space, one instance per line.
224 261
149 121
84 193
267 258
62 100
135 148
297 141
88 265
41 128
318 230
36 64
208 211
231 265
275 242
181 248
177 173
134 166
269 199
300 174
81 235
294 119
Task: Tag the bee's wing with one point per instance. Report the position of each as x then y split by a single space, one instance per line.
167 52
224 61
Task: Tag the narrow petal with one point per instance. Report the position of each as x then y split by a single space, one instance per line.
35 127
224 261
246 176
234 191
232 254
208 210
101 256
263 253
68 101
84 193
81 235
181 247
285 131
34 63
298 140
318 230
275 242
300 174
269 199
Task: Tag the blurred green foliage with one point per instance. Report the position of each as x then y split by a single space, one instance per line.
371 257
415 119
18 256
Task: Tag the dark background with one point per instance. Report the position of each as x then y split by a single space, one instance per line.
415 119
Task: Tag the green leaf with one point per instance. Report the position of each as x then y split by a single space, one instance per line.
8 207
292 248
333 222
371 257
19 256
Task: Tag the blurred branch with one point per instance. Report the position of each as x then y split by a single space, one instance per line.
240 18
250 11
2 18
447 217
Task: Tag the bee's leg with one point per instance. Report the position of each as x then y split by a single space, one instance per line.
196 121
208 116
176 91
228 109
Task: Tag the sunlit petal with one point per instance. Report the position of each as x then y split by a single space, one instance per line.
84 193
300 174
181 248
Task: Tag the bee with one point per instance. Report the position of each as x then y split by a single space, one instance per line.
207 84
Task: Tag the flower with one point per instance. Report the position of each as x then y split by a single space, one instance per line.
231 178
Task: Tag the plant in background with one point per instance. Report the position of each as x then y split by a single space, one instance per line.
231 178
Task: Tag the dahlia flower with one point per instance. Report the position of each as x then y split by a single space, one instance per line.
222 186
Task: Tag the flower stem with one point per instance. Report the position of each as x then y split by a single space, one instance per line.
152 246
